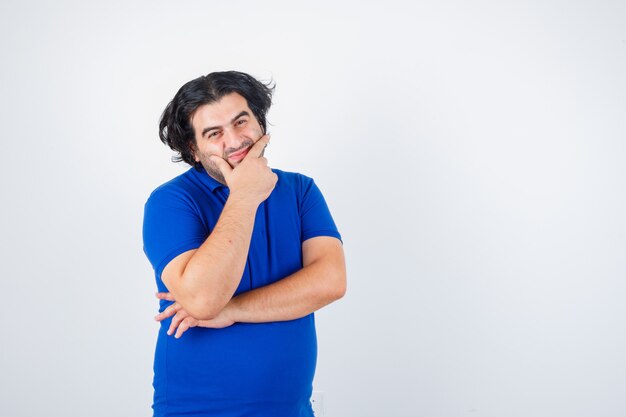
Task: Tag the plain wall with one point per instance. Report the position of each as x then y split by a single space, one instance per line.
472 154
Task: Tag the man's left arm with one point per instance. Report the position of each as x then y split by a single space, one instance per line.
321 281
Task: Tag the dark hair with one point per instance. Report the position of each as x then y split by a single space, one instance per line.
175 129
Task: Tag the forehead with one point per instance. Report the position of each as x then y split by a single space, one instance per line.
219 113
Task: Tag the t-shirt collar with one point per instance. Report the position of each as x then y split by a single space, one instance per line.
206 179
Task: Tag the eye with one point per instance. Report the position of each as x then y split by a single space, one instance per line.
213 134
241 121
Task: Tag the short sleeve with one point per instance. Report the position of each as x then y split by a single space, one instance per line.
171 226
316 219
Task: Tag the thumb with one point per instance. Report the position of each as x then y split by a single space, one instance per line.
222 165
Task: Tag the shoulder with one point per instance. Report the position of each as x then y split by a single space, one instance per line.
295 181
178 189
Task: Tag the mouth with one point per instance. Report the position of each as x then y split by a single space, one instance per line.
239 155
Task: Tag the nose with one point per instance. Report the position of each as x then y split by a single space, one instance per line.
232 140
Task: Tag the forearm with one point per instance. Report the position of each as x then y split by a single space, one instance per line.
212 274
321 281
293 297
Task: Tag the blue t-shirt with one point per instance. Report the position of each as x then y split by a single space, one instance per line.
247 369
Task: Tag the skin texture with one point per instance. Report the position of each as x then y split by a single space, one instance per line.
235 132
321 281
202 281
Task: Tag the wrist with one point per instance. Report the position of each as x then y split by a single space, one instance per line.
242 202
231 310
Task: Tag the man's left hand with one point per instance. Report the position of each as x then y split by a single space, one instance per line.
182 321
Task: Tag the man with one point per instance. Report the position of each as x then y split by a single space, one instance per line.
243 255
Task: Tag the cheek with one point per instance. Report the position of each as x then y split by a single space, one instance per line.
210 149
255 132
211 165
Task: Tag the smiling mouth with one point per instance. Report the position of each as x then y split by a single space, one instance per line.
239 154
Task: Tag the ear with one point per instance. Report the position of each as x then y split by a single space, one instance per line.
194 151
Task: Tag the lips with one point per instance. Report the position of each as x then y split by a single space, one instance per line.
238 156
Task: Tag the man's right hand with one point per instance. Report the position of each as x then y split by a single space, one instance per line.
204 280
252 181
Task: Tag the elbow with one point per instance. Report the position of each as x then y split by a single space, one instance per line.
204 314
341 278
340 285
204 308
202 303
341 289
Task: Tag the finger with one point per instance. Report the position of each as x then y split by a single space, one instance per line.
180 316
222 165
184 326
165 296
164 314
257 149
168 312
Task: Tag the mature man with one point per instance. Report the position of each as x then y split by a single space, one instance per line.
243 255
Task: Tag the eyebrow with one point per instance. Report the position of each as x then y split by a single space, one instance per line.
208 129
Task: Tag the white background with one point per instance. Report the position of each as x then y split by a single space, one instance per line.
472 154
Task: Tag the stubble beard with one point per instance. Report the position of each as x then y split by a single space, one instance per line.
211 167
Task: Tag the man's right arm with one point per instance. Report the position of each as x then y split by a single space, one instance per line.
204 280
